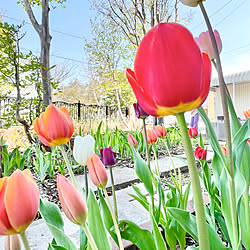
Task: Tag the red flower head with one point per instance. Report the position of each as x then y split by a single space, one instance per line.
54 126
170 73
224 150
151 136
200 153
193 132
160 131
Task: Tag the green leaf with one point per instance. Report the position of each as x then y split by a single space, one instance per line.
106 215
52 216
143 172
142 238
95 222
159 241
83 239
188 223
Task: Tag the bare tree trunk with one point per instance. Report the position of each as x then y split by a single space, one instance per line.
45 38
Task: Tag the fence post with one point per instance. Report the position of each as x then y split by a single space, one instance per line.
79 110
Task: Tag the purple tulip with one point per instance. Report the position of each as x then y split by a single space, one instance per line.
139 112
108 156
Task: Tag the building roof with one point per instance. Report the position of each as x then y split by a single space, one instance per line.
238 77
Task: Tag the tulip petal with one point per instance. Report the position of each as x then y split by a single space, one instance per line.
142 97
21 200
72 201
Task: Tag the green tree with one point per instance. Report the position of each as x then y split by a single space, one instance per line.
21 72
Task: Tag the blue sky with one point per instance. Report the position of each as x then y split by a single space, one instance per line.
230 17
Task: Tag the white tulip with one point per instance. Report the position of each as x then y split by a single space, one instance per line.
83 148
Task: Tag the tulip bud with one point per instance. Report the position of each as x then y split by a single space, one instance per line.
224 149
247 114
205 43
12 242
191 3
139 112
132 140
160 131
84 147
193 132
19 202
72 201
54 126
97 171
107 156
200 153
151 136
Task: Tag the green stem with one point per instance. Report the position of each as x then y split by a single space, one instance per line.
247 212
25 241
157 170
113 192
198 202
86 182
68 166
89 236
230 164
171 159
118 234
146 141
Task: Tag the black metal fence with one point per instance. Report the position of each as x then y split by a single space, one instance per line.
78 111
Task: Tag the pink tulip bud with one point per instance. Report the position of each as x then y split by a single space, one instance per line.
160 131
72 201
193 132
151 136
200 153
132 140
19 202
205 43
97 171
12 242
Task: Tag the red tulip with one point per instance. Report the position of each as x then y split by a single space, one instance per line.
132 140
72 201
205 43
54 126
170 74
160 131
12 242
193 132
200 153
151 136
247 114
19 202
97 171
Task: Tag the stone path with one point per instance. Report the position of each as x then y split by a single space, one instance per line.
128 208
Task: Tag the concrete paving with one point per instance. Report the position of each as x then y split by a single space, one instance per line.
128 208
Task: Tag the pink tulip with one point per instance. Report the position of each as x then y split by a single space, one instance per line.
19 202
151 136
72 201
160 131
97 171
205 44
132 140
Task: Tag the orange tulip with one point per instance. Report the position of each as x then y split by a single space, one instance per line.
73 204
160 131
12 242
151 136
19 202
54 126
97 171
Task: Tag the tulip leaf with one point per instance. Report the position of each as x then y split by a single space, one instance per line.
107 218
95 222
159 241
51 214
142 238
143 172
188 223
